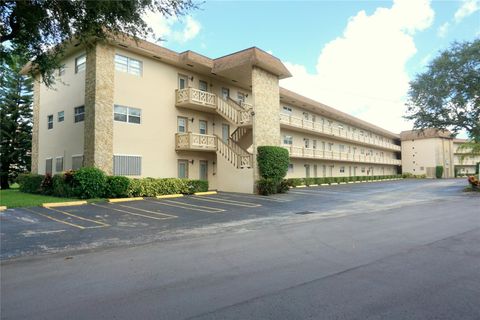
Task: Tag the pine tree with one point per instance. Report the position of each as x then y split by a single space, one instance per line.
15 119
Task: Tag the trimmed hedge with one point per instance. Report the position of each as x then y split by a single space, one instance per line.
294 182
439 172
117 187
30 183
273 162
267 187
89 182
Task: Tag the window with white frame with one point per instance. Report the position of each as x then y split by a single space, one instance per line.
342 169
182 124
127 114
48 166
341 148
127 165
80 63
202 124
79 114
363 169
183 169
306 116
59 164
287 140
314 144
61 116
50 121
306 142
128 65
77 162
287 110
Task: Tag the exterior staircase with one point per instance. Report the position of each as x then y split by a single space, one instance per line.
234 154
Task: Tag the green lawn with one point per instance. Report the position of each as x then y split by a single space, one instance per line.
13 198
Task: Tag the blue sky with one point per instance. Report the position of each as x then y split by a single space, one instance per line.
357 56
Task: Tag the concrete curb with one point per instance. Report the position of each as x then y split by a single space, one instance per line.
206 193
168 196
63 204
313 185
2 208
113 200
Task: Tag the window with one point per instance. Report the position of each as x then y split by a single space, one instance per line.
127 165
362 151
50 121
61 70
288 140
225 93
77 162
315 174
306 142
330 145
340 126
314 118
61 116
240 98
314 146
330 123
203 85
287 110
79 114
183 168
203 170
290 167
363 169
182 81
182 124
202 124
127 114
341 148
129 65
59 164
342 169
80 63
48 166
306 116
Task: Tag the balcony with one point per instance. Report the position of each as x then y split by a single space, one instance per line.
195 142
335 133
237 114
309 153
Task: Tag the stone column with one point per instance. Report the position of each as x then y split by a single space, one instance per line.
36 123
99 86
266 105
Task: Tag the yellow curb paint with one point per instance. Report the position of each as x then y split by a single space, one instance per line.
125 199
168 196
301 186
63 204
2 208
206 193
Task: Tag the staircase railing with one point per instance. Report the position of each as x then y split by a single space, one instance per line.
238 133
238 157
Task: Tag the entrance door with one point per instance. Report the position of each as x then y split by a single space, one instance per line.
307 170
203 170
182 81
225 93
225 132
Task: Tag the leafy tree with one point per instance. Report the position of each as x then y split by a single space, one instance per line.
16 119
40 26
447 95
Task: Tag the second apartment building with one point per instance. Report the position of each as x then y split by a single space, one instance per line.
140 110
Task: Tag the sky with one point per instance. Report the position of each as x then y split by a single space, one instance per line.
355 56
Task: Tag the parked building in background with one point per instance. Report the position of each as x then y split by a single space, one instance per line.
141 110
422 151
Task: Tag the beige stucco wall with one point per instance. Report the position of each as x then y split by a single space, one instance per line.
420 154
66 138
99 88
36 124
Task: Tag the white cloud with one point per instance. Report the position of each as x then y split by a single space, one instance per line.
172 29
443 29
467 8
363 72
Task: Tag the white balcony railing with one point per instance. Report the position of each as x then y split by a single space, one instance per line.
334 132
310 153
195 141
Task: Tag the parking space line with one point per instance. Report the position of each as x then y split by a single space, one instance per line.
81 218
167 216
188 206
54 219
298 192
229 202
261 198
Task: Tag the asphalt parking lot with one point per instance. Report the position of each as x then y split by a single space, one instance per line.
38 230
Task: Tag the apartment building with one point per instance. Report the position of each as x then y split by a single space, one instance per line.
141 110
422 151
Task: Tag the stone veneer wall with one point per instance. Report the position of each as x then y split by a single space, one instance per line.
266 104
99 86
36 124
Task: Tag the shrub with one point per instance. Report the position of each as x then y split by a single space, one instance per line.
327 180
318 180
47 184
197 186
89 182
308 181
273 162
293 182
63 184
117 186
30 182
267 186
282 187
439 172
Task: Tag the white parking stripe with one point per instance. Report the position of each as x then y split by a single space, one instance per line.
187 206
229 202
